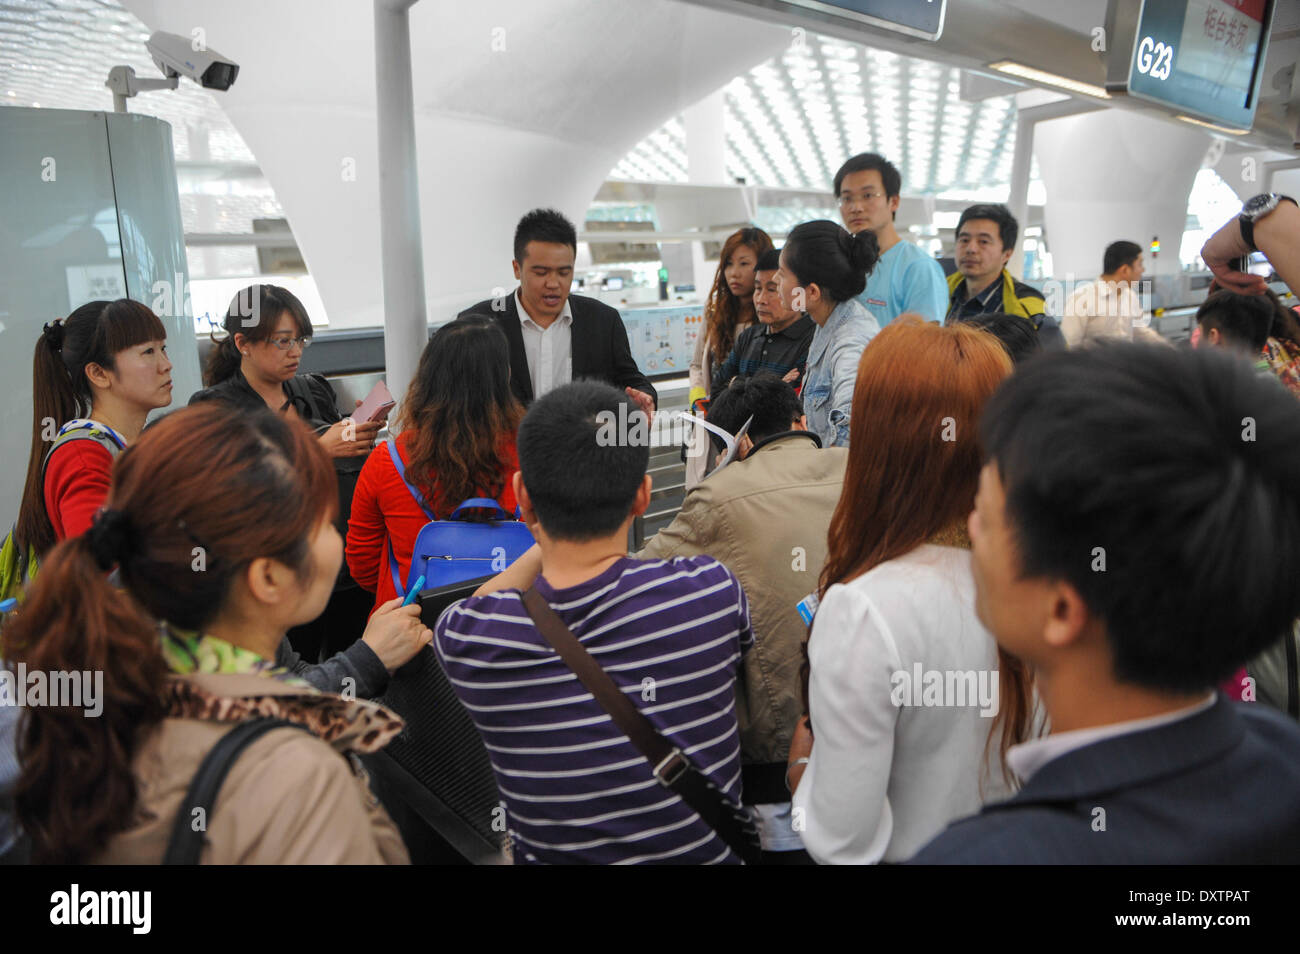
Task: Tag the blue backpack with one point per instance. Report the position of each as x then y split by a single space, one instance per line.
454 550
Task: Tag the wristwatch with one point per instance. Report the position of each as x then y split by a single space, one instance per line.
1255 209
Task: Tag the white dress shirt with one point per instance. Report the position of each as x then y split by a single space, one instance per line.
1028 757
549 350
883 779
1105 310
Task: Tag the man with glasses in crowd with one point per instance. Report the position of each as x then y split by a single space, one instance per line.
905 278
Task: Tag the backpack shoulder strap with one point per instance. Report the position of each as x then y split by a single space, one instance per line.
671 768
86 431
401 472
186 843
400 465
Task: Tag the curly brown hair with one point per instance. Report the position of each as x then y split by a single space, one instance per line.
723 310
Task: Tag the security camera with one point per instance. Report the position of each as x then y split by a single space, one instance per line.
176 56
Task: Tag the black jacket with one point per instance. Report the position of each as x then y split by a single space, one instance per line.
1216 788
312 396
314 401
600 348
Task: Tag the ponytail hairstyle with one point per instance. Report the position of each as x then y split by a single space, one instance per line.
723 309
254 312
238 484
824 254
459 410
93 334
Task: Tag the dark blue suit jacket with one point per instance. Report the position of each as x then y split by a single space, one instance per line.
1220 787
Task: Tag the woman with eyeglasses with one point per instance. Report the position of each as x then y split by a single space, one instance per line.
256 365
266 332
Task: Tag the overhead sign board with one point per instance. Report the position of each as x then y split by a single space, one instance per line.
918 18
1200 58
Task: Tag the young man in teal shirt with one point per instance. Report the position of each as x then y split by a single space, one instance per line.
905 278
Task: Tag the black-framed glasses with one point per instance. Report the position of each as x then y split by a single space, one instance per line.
285 342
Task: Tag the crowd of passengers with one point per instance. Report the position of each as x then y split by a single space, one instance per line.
1049 562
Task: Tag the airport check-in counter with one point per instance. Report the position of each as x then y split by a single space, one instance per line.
662 340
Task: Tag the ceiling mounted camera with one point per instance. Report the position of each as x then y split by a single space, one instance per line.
175 56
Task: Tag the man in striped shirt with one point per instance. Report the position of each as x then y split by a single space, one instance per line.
670 633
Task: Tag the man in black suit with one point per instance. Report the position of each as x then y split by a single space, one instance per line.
1135 540
556 337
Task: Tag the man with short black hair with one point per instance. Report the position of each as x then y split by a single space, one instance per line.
1134 546
670 633
1239 323
1110 307
986 240
868 188
765 516
778 342
1017 336
556 337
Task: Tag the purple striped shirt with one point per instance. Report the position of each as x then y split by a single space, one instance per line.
670 633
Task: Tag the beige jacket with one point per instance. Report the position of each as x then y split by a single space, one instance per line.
290 798
765 518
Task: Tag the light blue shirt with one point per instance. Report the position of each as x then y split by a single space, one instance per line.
906 279
833 371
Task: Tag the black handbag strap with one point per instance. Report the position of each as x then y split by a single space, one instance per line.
186 844
670 767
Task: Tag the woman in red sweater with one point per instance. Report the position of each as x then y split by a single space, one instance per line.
458 423
97 374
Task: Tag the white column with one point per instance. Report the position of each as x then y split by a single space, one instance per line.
205 206
706 140
405 321
1115 175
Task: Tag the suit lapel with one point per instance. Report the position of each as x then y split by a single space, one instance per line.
1129 761
582 340
521 381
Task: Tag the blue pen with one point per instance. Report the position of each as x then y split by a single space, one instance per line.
415 591
7 605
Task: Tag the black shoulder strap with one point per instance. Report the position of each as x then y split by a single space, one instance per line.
299 389
671 767
186 844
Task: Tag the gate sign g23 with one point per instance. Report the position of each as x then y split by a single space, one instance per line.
1155 59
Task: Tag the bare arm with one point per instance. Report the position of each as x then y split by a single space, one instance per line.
519 575
1276 236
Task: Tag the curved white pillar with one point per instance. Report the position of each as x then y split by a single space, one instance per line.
1115 175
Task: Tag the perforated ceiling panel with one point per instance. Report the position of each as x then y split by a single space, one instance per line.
791 121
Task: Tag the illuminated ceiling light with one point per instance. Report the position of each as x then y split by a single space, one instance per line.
1012 68
1215 127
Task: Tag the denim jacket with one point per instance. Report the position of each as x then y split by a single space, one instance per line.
833 370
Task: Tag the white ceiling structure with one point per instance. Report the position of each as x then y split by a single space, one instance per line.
791 121
522 103
500 128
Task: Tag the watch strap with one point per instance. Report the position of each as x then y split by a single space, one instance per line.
1247 220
